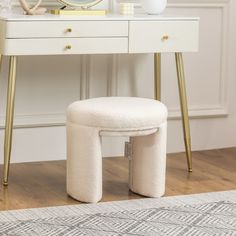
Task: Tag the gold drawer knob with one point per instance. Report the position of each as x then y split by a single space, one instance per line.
69 30
68 46
165 37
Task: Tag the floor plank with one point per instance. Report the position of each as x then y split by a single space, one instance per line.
44 184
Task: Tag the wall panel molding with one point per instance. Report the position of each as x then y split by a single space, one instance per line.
221 109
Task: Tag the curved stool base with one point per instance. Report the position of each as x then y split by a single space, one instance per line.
85 127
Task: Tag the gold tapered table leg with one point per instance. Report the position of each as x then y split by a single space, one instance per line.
0 62
184 108
9 117
157 76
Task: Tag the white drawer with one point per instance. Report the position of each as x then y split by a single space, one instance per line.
44 29
163 36
60 46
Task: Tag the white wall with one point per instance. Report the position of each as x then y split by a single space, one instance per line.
46 85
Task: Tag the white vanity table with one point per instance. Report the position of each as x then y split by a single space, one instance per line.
22 35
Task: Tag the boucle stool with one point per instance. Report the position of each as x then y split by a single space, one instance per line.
144 120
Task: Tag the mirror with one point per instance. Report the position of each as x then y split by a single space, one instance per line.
80 3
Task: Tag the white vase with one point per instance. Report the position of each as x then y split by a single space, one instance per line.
154 7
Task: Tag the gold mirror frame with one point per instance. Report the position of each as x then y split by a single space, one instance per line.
82 5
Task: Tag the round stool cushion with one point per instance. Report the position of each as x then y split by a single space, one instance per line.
118 113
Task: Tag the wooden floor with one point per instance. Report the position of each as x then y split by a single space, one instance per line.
43 184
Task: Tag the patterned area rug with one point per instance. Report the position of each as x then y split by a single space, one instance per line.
200 214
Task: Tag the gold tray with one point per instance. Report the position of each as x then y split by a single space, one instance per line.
79 12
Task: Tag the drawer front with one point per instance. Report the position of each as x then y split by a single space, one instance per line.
163 36
47 29
68 46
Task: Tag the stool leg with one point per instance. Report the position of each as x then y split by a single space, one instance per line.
84 163
148 163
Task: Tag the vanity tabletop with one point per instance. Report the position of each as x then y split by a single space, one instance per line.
108 17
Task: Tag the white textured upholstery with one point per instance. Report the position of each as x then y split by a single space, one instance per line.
142 119
118 113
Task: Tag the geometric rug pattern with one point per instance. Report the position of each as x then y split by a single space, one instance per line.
203 219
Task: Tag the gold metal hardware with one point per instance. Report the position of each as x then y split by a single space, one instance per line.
184 108
69 30
1 61
9 117
68 46
165 37
157 76
183 99
83 12
128 150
